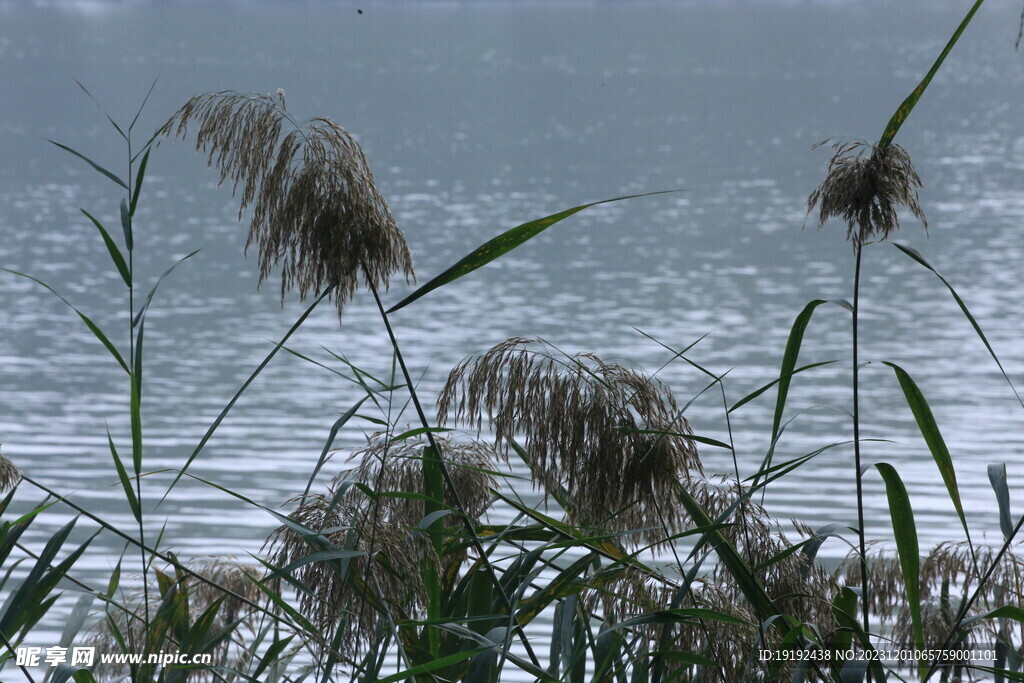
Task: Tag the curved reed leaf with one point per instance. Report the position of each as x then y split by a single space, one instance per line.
997 477
563 585
126 225
338 424
1004 612
932 437
115 253
760 390
126 484
786 372
245 385
97 332
733 561
905 531
90 162
501 245
913 253
138 183
908 104
152 292
440 663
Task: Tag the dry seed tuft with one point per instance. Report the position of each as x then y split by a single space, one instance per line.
10 475
948 574
864 185
316 210
397 466
385 581
611 437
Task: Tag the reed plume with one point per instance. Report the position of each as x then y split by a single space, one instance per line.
385 581
612 438
864 185
10 475
316 210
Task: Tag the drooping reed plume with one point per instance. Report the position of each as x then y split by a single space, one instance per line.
316 210
386 581
10 475
611 437
865 185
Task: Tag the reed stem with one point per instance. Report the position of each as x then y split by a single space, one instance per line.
439 454
858 247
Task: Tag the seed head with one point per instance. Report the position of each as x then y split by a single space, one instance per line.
316 210
865 184
384 580
612 438
10 475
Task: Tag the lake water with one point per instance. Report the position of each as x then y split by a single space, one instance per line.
475 118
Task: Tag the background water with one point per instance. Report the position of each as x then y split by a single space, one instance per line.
477 117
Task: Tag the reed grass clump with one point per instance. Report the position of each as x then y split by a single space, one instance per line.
317 212
865 185
949 573
163 617
613 438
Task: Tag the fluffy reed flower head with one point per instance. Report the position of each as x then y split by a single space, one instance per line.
864 185
10 475
385 581
316 210
397 466
611 437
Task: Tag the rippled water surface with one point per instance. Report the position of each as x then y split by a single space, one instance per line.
477 117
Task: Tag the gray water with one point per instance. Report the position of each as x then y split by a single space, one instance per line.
477 117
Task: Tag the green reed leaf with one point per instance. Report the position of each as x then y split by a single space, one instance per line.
564 584
997 477
139 177
733 561
126 225
115 253
501 245
760 390
338 424
90 162
245 385
905 531
913 253
152 292
142 106
933 438
908 104
126 482
104 111
786 372
97 332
